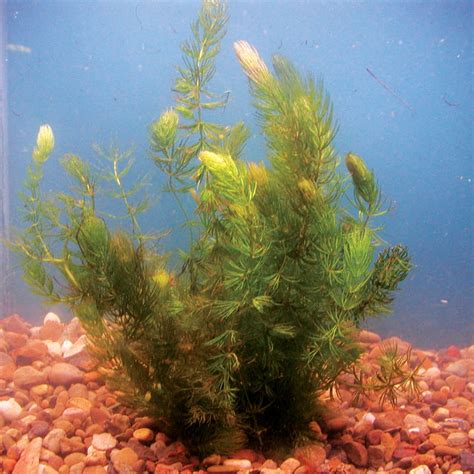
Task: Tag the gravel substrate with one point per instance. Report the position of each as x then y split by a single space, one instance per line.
56 416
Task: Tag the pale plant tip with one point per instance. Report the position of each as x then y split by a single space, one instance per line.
253 65
45 139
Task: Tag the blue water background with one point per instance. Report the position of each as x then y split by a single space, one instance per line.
101 72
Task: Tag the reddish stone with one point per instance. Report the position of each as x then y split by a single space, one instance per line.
15 323
456 383
312 455
376 456
29 460
8 465
427 459
357 453
454 352
52 330
15 340
31 351
404 450
374 437
7 367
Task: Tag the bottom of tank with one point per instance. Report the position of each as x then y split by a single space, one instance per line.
57 416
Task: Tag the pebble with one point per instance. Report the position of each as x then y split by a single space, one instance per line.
51 317
421 469
10 409
239 463
144 434
123 460
83 430
29 460
65 374
458 439
27 377
103 441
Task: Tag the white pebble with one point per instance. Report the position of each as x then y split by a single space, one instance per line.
54 348
240 463
432 373
421 469
51 317
66 345
10 409
369 417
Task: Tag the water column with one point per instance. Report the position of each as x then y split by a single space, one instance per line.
5 294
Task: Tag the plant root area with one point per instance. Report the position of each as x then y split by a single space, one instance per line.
57 416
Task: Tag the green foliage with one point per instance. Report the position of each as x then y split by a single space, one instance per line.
264 313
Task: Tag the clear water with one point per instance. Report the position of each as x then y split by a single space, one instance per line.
399 74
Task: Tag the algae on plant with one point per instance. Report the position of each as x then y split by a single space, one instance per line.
282 267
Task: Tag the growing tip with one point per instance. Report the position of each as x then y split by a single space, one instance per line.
251 62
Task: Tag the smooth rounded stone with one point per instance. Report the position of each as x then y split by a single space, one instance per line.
212 460
374 437
123 459
45 469
79 402
376 456
38 428
7 367
471 435
230 469
467 461
74 458
72 413
51 331
338 423
95 456
71 445
29 460
94 470
78 390
412 421
40 390
438 439
51 317
459 368
313 455
144 434
290 465
440 414
31 351
388 421
66 345
421 469
458 439
447 450
361 429
239 463
15 340
15 323
52 439
103 441
100 415
10 409
456 383
27 377
356 453
432 373
54 348
65 374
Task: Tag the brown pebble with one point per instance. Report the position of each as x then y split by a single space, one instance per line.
357 453
444 450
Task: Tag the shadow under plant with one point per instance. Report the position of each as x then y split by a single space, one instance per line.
282 268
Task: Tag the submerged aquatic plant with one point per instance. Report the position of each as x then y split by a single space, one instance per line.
281 268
